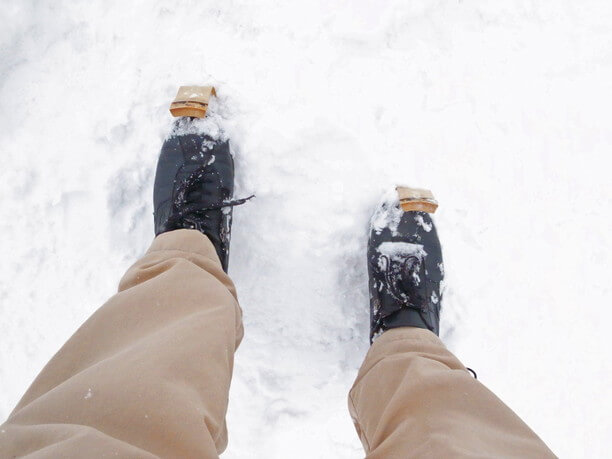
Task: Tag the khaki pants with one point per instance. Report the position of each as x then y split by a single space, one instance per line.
148 375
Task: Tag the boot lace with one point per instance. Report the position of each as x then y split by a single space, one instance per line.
186 203
401 280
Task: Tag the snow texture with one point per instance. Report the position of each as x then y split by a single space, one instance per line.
387 214
422 223
501 108
397 251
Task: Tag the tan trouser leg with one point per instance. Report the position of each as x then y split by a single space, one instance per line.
413 398
148 374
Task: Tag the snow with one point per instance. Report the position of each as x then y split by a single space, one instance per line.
401 250
387 213
502 109
422 223
212 124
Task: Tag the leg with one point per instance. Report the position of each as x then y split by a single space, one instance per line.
149 373
413 398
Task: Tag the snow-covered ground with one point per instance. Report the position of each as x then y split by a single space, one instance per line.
502 108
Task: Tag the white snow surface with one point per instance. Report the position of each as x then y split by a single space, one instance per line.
503 109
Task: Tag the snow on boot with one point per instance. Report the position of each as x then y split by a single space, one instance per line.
194 184
405 269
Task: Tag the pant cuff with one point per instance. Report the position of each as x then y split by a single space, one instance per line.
185 240
406 333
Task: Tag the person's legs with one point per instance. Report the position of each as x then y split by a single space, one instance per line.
412 397
149 373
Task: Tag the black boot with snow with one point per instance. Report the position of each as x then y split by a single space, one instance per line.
405 270
194 184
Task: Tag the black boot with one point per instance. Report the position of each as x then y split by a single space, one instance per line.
405 270
194 184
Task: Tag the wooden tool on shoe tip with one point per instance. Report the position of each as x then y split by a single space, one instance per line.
416 199
192 101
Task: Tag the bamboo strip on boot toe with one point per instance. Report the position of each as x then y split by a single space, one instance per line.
192 101
412 199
